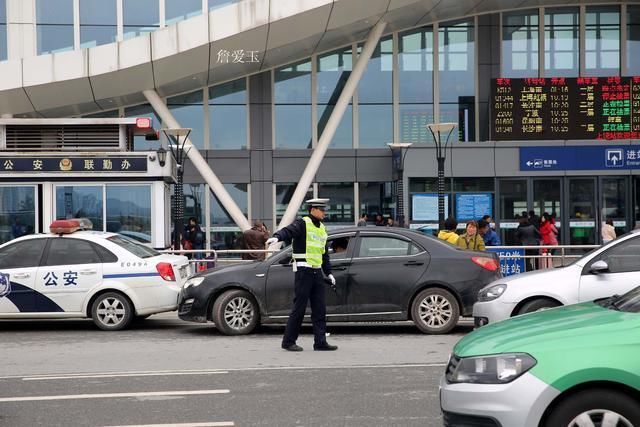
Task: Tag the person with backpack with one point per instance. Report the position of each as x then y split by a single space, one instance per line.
194 238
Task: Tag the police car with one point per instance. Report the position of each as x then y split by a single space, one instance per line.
78 273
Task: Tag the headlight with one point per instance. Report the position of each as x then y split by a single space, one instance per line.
195 281
496 369
491 293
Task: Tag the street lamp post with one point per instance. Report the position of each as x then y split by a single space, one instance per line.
398 152
437 129
177 149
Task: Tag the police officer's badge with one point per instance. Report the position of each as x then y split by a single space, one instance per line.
5 285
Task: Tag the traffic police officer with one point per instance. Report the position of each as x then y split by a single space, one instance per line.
310 260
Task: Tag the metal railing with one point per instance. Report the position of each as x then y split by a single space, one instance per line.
560 255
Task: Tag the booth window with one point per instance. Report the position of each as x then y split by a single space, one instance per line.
17 212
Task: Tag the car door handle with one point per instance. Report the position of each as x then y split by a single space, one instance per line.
87 272
339 268
412 263
21 275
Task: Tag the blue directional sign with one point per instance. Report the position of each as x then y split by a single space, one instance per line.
511 260
580 157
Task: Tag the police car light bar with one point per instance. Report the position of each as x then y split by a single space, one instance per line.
68 226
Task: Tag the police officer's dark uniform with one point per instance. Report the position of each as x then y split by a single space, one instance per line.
311 260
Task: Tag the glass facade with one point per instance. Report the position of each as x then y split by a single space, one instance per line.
224 233
292 106
228 115
129 211
340 209
194 203
187 109
139 17
179 10
284 192
375 98
633 40
214 4
3 30
456 50
98 22
415 68
602 41
17 211
562 42
54 25
520 40
333 71
376 199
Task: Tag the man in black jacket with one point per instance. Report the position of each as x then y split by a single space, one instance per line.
310 260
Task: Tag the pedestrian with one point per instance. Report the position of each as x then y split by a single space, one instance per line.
390 222
380 221
255 238
488 234
608 231
449 233
363 220
528 235
18 229
310 261
534 219
470 239
193 238
549 236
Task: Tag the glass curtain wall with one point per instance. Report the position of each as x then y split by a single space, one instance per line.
54 25
633 40
340 210
333 71
562 42
284 192
228 115
98 22
188 110
376 200
415 60
194 203
375 98
292 106
3 30
602 41
520 37
457 77
17 212
179 10
223 231
215 4
140 16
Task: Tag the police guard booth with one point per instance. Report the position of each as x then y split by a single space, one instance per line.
70 168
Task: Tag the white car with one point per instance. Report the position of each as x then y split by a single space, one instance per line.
73 273
605 271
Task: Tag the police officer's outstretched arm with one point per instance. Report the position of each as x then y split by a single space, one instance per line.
296 229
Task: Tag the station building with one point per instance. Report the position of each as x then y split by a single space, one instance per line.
259 83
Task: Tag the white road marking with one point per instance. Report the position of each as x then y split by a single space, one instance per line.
227 370
110 395
213 424
132 374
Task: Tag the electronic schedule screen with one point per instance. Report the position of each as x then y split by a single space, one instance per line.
565 108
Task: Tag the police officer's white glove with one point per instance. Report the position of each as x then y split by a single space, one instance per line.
271 241
333 279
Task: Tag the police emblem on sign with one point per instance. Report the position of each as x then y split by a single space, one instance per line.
5 285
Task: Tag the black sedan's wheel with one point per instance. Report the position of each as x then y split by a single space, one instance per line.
537 305
435 311
112 311
235 312
596 408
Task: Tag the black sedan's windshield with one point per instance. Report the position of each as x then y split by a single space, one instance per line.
629 302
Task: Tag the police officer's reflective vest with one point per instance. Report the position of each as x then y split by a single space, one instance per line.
316 238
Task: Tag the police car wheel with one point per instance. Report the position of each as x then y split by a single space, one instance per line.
435 311
235 312
112 311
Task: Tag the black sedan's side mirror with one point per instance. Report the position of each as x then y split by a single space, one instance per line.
599 267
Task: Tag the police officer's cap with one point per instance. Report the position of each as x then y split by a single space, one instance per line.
317 203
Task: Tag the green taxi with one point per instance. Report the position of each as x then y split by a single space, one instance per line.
577 365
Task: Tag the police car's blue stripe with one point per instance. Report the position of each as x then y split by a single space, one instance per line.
119 276
28 300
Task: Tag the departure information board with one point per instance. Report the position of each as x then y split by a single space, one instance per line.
565 108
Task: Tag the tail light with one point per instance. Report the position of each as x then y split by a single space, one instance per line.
486 263
166 271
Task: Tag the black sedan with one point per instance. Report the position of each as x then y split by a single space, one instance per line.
382 274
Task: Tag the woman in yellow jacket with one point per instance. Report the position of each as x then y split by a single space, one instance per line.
449 233
471 239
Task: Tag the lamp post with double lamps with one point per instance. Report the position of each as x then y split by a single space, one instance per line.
437 129
177 138
398 153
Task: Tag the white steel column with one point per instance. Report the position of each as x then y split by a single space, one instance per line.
199 162
332 124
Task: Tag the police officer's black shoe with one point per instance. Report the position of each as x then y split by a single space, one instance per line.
325 347
292 347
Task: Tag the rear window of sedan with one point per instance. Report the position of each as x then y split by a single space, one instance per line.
134 247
